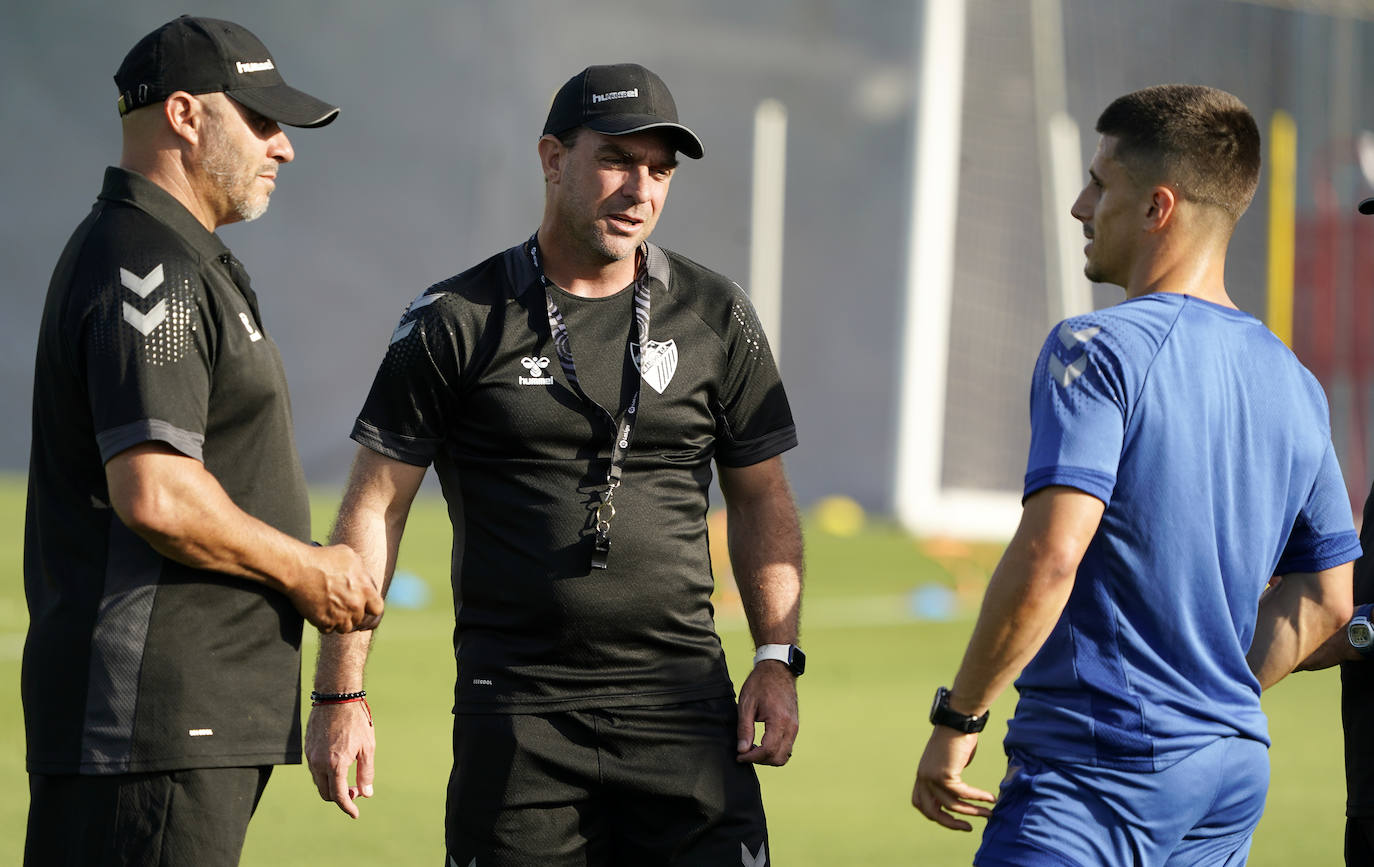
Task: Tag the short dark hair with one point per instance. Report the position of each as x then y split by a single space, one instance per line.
1201 141
569 137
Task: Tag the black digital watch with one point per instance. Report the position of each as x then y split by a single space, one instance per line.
942 715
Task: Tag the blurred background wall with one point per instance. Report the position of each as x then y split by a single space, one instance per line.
432 166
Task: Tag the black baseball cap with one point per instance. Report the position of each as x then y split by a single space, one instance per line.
618 100
1367 206
206 55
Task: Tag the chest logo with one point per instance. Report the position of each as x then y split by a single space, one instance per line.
656 363
535 365
254 335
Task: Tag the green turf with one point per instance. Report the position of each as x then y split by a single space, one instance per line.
844 798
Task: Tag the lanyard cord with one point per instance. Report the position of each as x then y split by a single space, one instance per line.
622 429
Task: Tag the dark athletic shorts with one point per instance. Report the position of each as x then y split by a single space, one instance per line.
1359 841
632 785
188 818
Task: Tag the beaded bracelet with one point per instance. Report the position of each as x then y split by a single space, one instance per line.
318 699
336 697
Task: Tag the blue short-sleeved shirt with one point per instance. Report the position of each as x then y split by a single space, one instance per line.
1210 445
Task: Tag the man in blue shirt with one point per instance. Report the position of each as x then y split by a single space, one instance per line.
1180 457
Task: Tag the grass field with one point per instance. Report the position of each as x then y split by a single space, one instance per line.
844 798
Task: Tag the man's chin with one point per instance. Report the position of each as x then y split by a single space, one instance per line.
618 248
250 211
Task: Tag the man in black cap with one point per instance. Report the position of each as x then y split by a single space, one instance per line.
572 392
1353 648
167 561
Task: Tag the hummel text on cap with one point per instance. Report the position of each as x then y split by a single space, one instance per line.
618 100
206 55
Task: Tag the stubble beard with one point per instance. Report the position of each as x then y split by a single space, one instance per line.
235 180
598 244
611 250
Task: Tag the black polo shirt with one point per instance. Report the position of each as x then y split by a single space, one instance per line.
134 662
471 382
1357 690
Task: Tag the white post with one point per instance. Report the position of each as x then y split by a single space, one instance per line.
930 262
766 222
1061 166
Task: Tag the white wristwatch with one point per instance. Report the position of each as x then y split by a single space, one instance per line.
789 655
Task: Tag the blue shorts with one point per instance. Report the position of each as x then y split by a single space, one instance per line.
1200 811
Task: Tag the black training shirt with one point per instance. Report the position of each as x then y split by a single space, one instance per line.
134 662
1357 690
471 382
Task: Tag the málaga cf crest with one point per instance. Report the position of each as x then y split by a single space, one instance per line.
657 363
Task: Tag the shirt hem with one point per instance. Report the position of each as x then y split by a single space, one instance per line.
1151 763
466 705
172 763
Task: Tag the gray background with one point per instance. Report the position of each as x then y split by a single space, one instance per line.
432 166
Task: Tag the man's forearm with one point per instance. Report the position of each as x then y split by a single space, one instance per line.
1301 612
1023 602
342 658
765 542
371 519
1026 595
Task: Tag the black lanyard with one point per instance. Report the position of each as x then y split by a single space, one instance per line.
622 429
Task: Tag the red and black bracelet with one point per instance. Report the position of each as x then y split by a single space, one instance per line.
319 698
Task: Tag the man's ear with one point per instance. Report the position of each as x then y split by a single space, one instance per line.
185 116
1162 207
551 157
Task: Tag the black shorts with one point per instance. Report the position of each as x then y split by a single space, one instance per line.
632 785
1359 841
195 818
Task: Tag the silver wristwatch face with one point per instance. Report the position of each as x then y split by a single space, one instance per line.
1360 633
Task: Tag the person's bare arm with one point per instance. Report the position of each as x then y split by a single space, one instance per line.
1296 617
1025 597
371 519
1333 651
766 556
175 504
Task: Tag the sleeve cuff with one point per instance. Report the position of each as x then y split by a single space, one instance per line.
1092 482
1328 553
415 451
750 452
126 436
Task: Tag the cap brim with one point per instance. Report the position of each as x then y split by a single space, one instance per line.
683 138
1367 206
286 104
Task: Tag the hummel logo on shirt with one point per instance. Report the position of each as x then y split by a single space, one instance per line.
535 365
407 324
1065 374
143 323
759 860
141 286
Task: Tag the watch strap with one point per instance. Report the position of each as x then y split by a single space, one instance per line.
788 654
941 714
